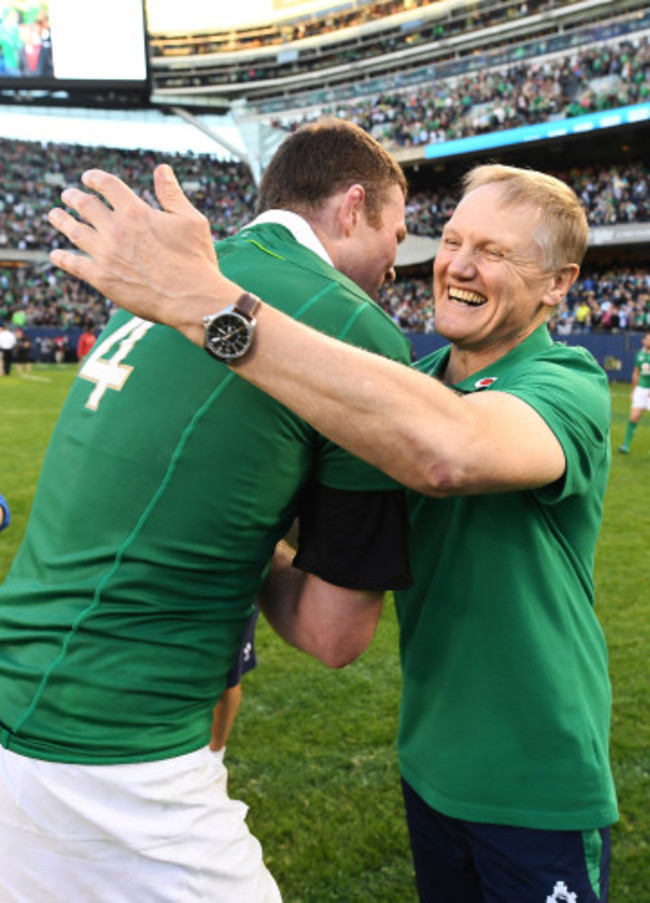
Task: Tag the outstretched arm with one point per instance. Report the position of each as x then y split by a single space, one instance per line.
403 422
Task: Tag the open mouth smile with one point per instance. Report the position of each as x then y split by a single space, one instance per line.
462 296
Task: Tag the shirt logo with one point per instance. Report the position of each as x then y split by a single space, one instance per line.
562 894
485 382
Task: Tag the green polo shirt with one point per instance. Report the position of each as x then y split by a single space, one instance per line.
506 698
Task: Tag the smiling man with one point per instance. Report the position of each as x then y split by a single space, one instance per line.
504 438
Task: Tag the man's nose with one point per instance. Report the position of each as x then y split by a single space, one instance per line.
462 263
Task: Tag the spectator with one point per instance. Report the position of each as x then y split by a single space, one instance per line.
86 340
23 352
7 345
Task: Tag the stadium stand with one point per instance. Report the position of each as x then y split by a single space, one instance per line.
412 44
611 194
594 79
414 74
34 175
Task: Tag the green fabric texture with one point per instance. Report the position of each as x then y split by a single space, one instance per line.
506 700
124 608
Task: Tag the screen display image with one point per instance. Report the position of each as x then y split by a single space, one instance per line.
72 44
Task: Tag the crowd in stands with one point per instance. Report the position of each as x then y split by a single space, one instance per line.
313 24
610 193
610 299
33 176
350 47
598 76
585 81
38 295
33 295
430 29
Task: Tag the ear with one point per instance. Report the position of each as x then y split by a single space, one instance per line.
352 207
561 282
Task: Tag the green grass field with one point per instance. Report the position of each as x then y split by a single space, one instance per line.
313 751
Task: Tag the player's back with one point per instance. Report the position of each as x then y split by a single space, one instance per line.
166 485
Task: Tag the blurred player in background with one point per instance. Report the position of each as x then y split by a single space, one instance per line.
640 392
5 513
166 486
504 436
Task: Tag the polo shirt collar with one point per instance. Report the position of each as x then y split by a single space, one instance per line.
537 342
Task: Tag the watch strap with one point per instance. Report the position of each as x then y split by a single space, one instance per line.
247 305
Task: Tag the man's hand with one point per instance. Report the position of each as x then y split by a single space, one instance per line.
158 264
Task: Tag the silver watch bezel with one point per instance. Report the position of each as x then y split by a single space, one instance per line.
214 344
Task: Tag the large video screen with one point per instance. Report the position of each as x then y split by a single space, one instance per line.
72 45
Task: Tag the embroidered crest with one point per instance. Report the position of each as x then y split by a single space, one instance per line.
562 894
485 382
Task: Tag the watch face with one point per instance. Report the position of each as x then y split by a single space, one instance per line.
229 336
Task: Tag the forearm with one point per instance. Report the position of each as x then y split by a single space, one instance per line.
397 419
405 423
280 594
333 624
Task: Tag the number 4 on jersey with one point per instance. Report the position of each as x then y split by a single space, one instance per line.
110 372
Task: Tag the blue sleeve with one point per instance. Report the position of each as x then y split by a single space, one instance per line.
7 513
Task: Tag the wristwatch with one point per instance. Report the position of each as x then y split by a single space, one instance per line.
229 333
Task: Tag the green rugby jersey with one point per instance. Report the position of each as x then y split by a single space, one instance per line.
506 698
166 485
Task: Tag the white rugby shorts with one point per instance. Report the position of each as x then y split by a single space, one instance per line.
641 398
153 832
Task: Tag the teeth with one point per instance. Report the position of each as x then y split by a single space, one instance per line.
459 294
